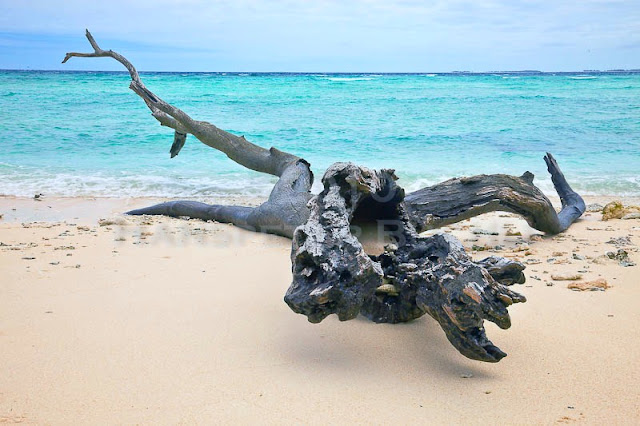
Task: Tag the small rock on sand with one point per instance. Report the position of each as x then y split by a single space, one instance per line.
621 256
620 241
566 277
616 210
596 285
634 215
595 208
613 210
484 232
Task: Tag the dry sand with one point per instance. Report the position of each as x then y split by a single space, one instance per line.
167 321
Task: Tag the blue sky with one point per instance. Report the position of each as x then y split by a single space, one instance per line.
319 35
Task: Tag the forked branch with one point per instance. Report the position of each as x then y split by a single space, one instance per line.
287 204
237 148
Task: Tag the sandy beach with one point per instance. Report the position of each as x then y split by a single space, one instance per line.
165 321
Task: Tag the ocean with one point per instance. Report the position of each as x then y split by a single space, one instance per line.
87 134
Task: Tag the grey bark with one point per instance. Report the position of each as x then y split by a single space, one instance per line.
332 274
331 271
461 198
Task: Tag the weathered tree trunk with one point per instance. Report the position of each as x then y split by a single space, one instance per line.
332 273
461 198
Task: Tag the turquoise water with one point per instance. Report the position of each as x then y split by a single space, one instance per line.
86 133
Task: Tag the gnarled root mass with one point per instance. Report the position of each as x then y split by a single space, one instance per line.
332 274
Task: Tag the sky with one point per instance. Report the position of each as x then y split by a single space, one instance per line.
324 35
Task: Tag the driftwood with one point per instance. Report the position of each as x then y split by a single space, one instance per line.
332 272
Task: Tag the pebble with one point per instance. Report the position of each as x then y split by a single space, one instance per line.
621 256
620 241
595 208
484 232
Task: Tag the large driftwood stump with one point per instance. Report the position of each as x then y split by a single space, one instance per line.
332 272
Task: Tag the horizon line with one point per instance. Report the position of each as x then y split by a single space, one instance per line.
454 72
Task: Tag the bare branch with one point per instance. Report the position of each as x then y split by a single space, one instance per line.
237 148
462 198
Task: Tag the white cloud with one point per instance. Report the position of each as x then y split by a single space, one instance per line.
385 35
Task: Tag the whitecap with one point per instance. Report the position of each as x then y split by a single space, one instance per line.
583 77
134 185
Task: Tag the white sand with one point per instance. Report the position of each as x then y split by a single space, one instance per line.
187 325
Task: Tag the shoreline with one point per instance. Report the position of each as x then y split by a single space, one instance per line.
90 209
161 320
57 208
